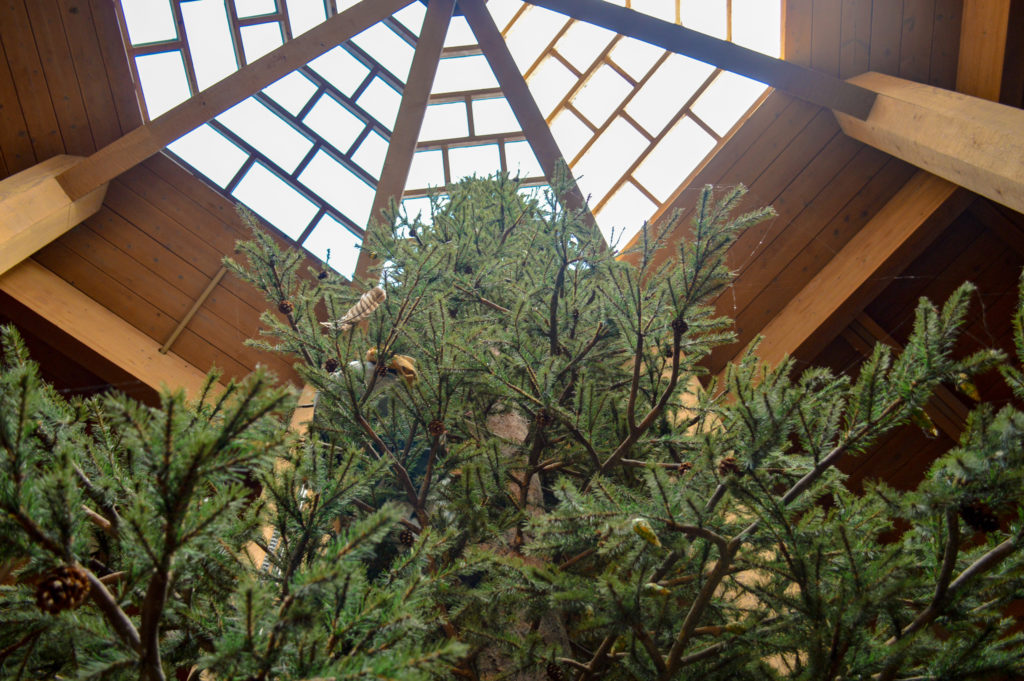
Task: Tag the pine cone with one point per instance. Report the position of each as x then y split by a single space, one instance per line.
679 326
685 467
285 307
331 365
62 588
436 428
382 369
555 672
412 232
979 517
729 466
406 537
543 418
321 275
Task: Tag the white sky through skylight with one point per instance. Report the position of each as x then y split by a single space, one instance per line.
631 120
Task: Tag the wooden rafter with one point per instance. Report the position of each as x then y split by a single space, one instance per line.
406 132
99 329
799 81
143 142
524 106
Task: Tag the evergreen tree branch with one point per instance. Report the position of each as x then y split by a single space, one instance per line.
113 613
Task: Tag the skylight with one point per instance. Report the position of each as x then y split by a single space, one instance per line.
633 121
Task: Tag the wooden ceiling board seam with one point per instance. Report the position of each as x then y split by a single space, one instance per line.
825 36
796 33
14 136
886 31
945 47
61 80
1010 232
916 39
29 80
854 38
122 88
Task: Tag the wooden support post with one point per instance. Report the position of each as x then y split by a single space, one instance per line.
406 132
35 209
99 329
524 106
143 142
983 31
799 81
888 243
969 141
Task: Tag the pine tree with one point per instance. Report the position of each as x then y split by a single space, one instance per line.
512 470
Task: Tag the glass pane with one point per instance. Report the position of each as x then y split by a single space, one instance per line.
163 80
444 121
635 56
419 207
304 15
333 243
381 101
480 160
254 8
390 51
371 154
659 9
706 16
212 154
463 73
427 170
340 69
726 100
459 33
570 133
602 94
608 158
209 40
624 214
673 158
335 123
411 16
260 39
339 186
550 83
582 43
520 160
502 11
531 33
275 201
756 24
292 92
268 133
492 116
667 91
149 21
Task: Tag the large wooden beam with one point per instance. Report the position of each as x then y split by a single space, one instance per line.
35 209
969 141
406 133
983 31
143 142
799 81
524 106
99 329
924 207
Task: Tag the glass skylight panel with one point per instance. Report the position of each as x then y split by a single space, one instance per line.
387 48
255 8
502 11
259 39
334 244
463 73
371 154
756 25
674 157
209 152
608 158
341 69
459 33
492 116
668 89
163 80
602 94
624 214
707 16
427 170
520 160
531 33
275 200
411 16
659 9
570 133
418 207
304 15
444 121
339 186
481 160
381 101
149 21
268 133
635 56
209 40
334 123
726 100
292 92
549 83
583 43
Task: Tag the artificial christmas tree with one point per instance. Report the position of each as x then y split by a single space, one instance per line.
551 493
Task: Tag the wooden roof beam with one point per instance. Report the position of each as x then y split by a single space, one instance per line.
794 79
35 209
99 329
141 143
524 106
406 133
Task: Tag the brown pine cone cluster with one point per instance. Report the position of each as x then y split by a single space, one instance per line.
685 467
555 672
436 428
729 466
285 306
544 418
679 326
979 517
62 588
406 537
331 365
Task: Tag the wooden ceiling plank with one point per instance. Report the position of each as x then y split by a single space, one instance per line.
890 240
916 39
886 30
98 328
143 142
854 38
119 71
966 140
14 138
524 106
983 32
796 33
807 84
826 39
35 210
945 48
406 132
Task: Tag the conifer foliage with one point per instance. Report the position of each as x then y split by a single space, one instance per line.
511 470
